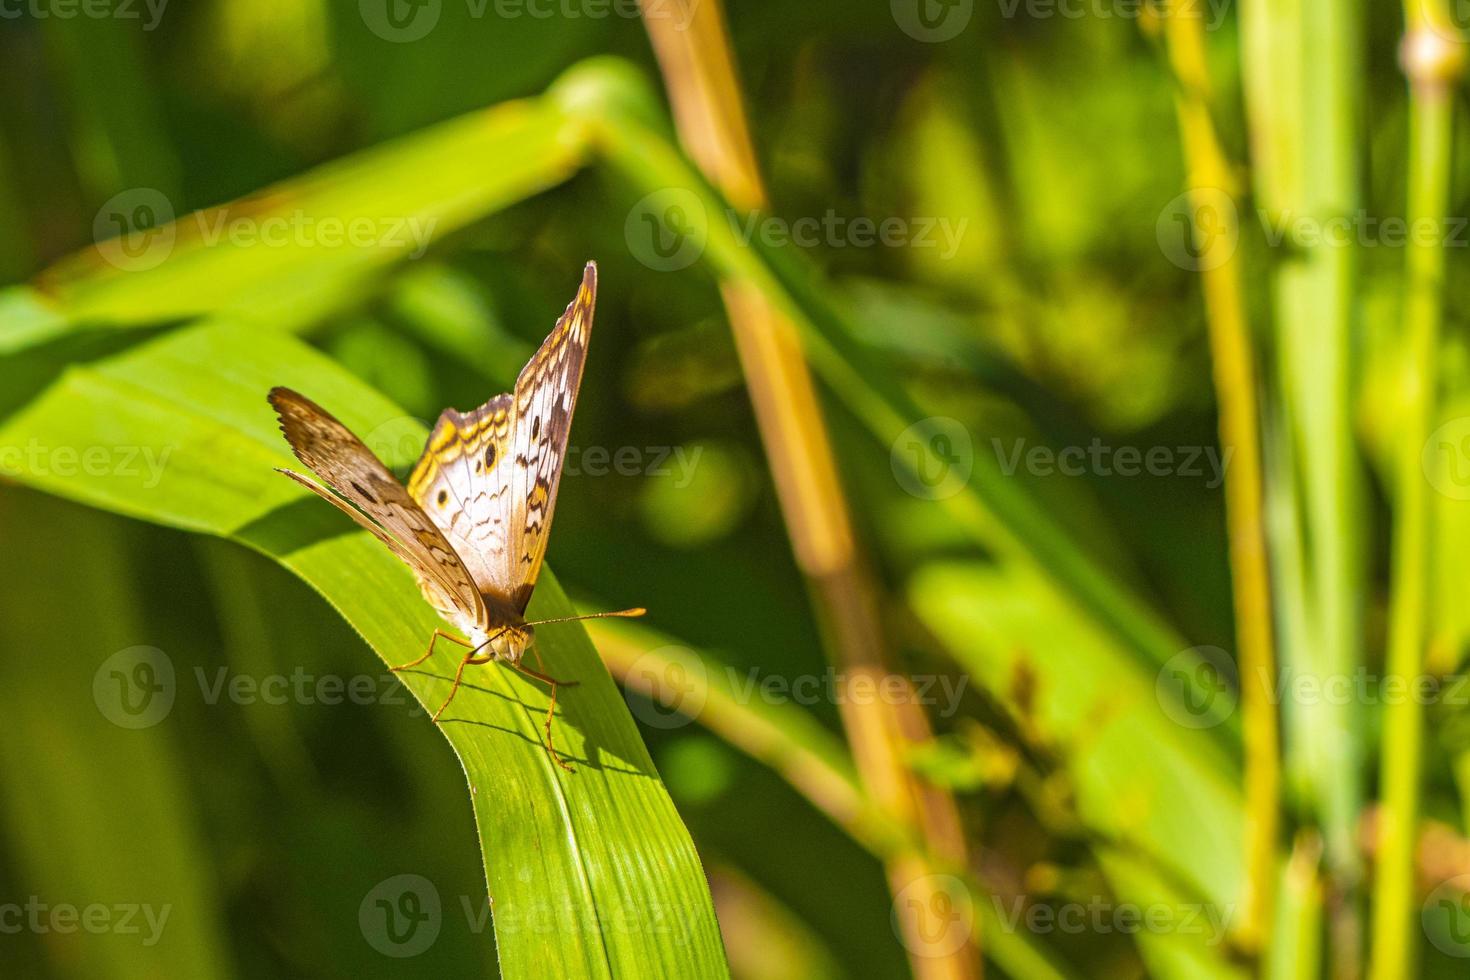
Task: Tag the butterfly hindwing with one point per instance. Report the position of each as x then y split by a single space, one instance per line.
488 478
368 493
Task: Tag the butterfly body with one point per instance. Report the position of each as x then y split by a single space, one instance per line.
473 520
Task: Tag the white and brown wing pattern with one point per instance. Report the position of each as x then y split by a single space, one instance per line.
368 493
488 478
462 481
545 397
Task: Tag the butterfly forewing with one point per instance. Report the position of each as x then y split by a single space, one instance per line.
368 493
546 397
488 478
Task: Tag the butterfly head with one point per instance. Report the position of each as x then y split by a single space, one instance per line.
508 643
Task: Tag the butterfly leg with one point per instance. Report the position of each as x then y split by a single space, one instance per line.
469 658
552 683
430 652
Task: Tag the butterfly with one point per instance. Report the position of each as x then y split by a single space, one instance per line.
473 520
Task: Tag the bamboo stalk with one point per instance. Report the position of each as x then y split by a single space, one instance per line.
1432 63
699 72
1233 360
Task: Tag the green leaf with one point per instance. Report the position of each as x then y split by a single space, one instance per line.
96 810
1166 829
288 253
591 874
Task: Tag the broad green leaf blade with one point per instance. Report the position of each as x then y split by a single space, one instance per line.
591 874
96 805
1166 825
290 252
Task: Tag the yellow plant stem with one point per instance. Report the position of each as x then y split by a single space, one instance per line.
699 73
1212 183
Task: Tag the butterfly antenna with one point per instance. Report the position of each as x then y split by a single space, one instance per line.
626 613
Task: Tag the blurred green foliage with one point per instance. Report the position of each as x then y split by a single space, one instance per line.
1053 315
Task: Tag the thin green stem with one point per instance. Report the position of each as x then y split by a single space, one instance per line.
1304 89
1430 62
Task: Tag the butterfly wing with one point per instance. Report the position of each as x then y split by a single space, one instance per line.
367 492
489 478
462 481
